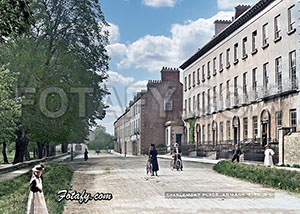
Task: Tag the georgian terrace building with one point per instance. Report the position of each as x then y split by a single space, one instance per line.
242 86
153 116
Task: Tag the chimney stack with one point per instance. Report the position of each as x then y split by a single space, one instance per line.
221 25
240 9
170 74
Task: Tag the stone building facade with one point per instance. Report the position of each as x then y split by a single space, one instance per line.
242 86
144 120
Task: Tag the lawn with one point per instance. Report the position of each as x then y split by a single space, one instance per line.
10 157
14 192
270 177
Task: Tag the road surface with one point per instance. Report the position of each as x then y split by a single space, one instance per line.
135 192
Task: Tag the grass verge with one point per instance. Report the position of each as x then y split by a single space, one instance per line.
270 177
14 192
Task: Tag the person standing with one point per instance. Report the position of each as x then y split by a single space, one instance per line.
86 154
177 154
269 156
36 200
236 154
153 159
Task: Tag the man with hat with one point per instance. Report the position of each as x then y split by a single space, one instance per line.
177 155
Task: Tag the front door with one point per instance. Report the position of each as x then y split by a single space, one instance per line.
134 149
214 137
264 134
235 135
178 138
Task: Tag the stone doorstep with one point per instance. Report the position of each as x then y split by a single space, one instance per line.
32 162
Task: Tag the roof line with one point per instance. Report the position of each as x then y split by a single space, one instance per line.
250 13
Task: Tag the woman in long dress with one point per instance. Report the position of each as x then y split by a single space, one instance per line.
153 159
36 200
269 156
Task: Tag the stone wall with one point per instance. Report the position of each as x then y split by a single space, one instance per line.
292 149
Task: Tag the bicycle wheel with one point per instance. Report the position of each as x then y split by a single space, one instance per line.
178 164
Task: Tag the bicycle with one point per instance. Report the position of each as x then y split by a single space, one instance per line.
149 167
177 165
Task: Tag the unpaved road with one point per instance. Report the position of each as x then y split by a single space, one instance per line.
135 192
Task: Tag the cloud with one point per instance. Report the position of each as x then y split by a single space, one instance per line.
116 51
230 4
152 52
137 87
159 3
114 111
114 34
117 79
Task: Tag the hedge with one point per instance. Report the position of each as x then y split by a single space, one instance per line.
270 177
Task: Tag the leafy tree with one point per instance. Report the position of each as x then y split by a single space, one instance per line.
65 49
15 17
102 140
9 109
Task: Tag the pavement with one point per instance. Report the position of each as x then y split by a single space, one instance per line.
7 174
135 192
212 161
196 160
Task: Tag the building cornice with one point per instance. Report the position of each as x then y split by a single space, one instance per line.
249 14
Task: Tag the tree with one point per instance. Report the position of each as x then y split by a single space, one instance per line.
15 20
15 17
102 140
9 109
65 49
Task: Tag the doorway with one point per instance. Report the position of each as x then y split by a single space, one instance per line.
178 138
198 135
214 133
265 127
236 130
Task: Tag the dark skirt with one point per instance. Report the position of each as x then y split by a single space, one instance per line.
153 159
154 164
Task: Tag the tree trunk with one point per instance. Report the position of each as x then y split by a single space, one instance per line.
40 150
20 147
52 150
26 152
64 148
35 153
4 153
48 150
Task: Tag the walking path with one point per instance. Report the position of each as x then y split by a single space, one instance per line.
135 192
12 171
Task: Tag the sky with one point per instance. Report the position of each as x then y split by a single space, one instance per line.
146 35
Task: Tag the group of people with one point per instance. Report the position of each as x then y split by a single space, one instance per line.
153 157
268 160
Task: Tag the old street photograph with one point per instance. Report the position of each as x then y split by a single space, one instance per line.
150 106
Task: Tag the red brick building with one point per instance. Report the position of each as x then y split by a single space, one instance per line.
144 120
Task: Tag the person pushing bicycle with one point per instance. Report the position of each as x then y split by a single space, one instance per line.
177 154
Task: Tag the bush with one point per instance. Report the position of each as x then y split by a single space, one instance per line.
271 177
14 192
161 146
